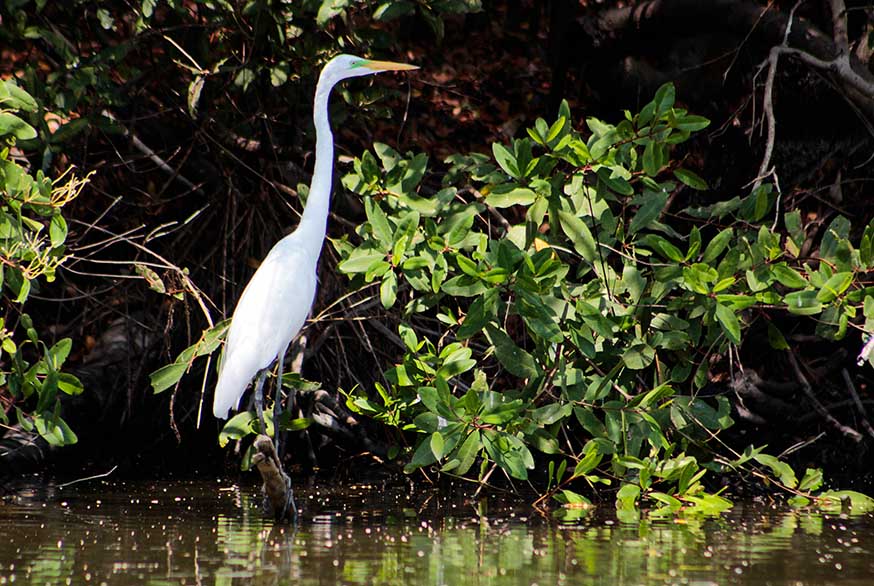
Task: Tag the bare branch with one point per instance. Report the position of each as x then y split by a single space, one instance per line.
822 411
839 25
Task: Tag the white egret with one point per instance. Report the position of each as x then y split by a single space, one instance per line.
277 299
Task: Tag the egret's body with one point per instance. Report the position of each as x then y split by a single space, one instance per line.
277 300
269 314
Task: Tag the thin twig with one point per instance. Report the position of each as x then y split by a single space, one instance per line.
768 101
851 388
198 295
152 155
104 475
485 480
801 445
823 412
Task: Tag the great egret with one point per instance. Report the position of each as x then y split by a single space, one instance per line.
275 303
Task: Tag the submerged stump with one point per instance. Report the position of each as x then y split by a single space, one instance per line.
278 497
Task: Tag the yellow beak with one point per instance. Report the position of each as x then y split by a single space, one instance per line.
388 66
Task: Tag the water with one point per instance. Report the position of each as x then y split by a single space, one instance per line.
212 533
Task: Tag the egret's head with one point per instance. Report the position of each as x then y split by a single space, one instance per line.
346 66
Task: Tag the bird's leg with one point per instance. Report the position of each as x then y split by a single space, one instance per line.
277 409
259 398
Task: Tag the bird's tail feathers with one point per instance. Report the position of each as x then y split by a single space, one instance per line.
232 383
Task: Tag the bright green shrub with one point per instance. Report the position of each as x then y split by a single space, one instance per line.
579 317
32 236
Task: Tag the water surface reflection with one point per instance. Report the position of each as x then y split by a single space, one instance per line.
212 533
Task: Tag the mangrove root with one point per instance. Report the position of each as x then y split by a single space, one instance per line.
278 497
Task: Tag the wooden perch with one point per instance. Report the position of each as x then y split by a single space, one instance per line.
278 497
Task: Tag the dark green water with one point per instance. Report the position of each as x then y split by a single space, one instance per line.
213 533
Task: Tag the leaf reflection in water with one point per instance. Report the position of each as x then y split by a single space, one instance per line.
204 533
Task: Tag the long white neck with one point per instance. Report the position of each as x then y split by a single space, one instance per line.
315 214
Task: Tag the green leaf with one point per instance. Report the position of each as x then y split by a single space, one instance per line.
378 223
717 210
592 456
780 469
148 7
788 277
651 159
579 234
569 498
590 422
23 291
467 266
15 98
392 10
803 303
834 287
55 430
59 352
463 286
388 290
167 376
860 504
776 339
664 98
614 181
507 194
237 427
506 160
669 502
692 123
69 384
653 206
458 362
360 260
708 504
497 410
421 457
430 398
329 9
436 443
509 453
538 316
663 247
244 78
480 312
467 453
729 322
638 356
717 245
626 498
837 231
756 205
812 480
10 124
690 179
654 395
549 414
517 361
57 230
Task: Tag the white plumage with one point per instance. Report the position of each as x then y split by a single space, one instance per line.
270 313
277 300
